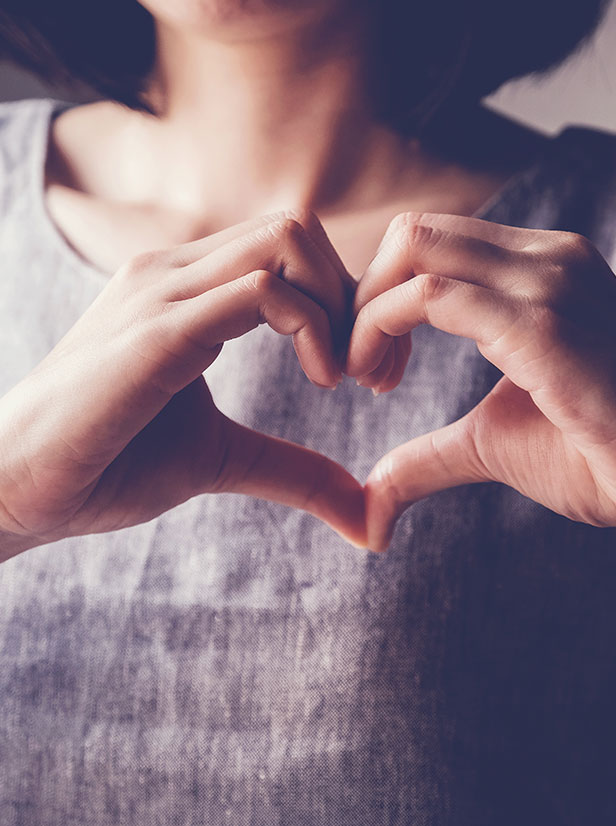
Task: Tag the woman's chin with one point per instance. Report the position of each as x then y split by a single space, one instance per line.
238 19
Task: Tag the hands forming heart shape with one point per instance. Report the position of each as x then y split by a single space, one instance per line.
117 425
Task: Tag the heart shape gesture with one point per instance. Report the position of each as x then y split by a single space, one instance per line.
541 306
116 425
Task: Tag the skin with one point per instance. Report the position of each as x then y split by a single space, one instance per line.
143 433
120 183
540 305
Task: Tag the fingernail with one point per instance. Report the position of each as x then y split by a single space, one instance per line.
376 391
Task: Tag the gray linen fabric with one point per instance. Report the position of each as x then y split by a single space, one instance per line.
234 662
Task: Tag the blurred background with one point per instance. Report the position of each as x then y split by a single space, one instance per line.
581 91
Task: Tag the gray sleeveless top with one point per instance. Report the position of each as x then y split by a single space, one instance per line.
234 662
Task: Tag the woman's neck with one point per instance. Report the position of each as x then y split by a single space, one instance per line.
252 126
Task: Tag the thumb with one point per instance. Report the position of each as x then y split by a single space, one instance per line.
441 459
280 471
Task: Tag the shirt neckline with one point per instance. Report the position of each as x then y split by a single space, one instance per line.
54 107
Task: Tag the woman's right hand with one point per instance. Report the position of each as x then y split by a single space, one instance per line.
116 425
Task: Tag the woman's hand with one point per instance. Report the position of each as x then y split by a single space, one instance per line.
541 306
116 425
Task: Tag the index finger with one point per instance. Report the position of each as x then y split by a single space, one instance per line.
453 246
192 251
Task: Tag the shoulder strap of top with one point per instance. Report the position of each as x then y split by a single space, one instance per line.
20 125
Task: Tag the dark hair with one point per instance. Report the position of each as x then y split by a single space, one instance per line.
444 54
425 56
106 45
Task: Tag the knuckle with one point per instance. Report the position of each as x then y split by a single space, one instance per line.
413 217
288 230
430 286
265 284
564 281
552 286
262 282
574 249
399 222
145 263
549 326
412 232
406 220
303 216
402 228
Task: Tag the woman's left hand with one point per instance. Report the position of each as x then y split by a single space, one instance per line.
541 306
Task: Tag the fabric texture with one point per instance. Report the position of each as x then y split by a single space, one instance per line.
234 662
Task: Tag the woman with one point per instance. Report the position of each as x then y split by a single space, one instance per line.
224 660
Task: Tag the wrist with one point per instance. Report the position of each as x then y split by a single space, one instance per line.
12 541
12 544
